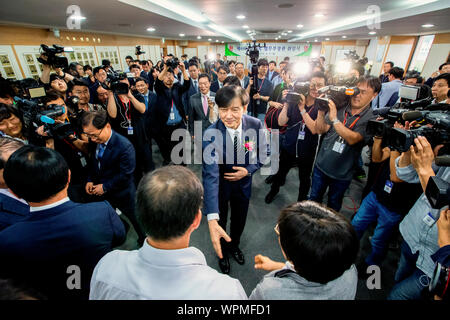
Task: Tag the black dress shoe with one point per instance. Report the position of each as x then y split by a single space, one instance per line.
224 265
238 255
271 195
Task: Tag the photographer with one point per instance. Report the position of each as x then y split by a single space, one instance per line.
386 68
76 70
299 141
264 91
169 113
222 73
100 77
418 228
344 133
443 68
46 78
80 89
440 88
11 122
382 204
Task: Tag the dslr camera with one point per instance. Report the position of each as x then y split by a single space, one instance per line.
172 63
294 92
119 87
340 95
53 56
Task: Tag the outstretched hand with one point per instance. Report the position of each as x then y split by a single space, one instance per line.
216 232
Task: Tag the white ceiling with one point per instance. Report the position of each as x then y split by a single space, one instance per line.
265 17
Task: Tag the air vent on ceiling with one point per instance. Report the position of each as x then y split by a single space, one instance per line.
268 31
285 5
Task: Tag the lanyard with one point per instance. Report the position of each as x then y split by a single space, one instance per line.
126 109
171 108
261 84
309 113
353 123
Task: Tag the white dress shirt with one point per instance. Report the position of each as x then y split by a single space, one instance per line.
155 274
7 193
49 206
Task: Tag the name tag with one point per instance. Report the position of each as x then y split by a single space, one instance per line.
172 116
130 130
258 102
301 135
388 186
429 220
338 147
83 162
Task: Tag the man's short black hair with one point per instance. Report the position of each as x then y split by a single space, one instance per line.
319 75
358 67
76 82
397 72
445 76
97 69
444 64
286 59
273 62
184 55
51 95
98 119
167 202
192 63
239 63
35 173
128 57
320 242
232 81
204 75
140 79
262 62
106 62
372 82
134 66
414 75
231 62
391 63
225 96
87 67
222 67
144 62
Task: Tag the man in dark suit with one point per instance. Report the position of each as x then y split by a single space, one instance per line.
169 113
222 73
12 209
272 73
193 88
202 105
56 248
111 167
245 80
235 140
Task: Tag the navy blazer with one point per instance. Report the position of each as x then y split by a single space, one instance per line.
39 249
11 211
164 102
215 86
187 95
213 181
116 166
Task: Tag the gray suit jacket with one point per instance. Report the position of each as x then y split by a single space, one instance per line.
196 112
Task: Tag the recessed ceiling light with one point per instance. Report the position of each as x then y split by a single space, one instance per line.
209 39
240 17
289 31
198 37
223 41
344 37
151 29
428 25
319 15
315 40
217 40
248 31
181 34
284 34
245 27
307 41
299 26
372 32
327 39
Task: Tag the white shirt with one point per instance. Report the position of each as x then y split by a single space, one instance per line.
231 132
155 274
49 206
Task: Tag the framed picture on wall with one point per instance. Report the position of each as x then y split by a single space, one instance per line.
33 69
29 58
9 72
4 60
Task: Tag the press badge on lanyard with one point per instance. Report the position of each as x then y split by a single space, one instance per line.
130 128
429 219
172 114
301 133
388 186
339 145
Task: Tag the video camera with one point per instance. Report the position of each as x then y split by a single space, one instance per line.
252 52
138 51
35 114
173 63
340 95
294 92
53 57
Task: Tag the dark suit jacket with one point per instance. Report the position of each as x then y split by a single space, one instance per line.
246 81
164 101
145 75
187 95
197 113
274 74
214 184
39 249
11 211
215 86
116 166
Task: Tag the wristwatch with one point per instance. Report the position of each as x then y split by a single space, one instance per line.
335 121
302 112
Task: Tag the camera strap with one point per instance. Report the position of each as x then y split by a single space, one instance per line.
261 84
353 123
127 109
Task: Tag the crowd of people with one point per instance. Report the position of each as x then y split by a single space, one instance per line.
82 152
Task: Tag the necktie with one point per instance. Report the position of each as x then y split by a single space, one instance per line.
235 143
146 102
195 86
101 151
205 105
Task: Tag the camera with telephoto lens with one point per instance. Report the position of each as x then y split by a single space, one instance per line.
295 90
53 56
173 63
340 95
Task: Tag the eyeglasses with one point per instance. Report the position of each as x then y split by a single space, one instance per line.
277 230
96 136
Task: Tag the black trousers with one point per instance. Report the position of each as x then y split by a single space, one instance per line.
239 208
305 166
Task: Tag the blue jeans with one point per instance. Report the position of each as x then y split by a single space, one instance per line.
370 211
261 117
410 281
337 188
